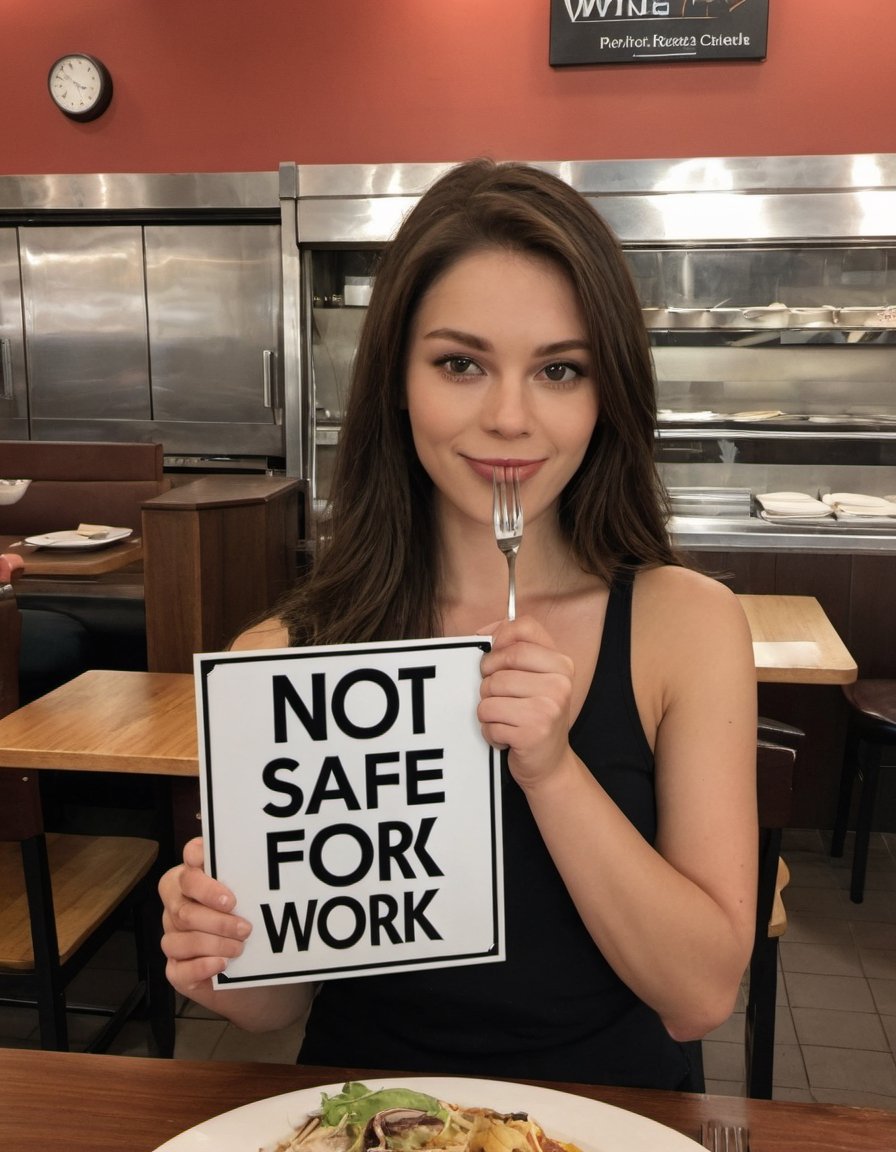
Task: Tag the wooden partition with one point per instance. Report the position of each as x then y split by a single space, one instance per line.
218 553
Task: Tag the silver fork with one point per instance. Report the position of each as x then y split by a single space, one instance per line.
720 1137
507 513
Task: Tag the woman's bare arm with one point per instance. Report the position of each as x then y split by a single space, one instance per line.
675 920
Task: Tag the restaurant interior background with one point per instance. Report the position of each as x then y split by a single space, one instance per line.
204 88
209 87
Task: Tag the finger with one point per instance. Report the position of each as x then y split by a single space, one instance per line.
521 720
204 889
194 853
179 945
187 976
524 628
186 915
526 655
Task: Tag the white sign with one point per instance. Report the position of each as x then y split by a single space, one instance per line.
351 802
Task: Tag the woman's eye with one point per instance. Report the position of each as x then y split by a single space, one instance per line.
460 366
562 373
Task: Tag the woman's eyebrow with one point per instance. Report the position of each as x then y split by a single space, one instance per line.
561 346
555 348
461 337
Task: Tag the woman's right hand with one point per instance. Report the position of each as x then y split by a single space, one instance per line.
201 931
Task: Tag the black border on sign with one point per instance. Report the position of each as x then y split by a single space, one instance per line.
656 31
207 666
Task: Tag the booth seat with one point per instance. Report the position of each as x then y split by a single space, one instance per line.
79 482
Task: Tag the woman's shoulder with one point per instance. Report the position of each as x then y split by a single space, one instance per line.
676 580
682 598
270 633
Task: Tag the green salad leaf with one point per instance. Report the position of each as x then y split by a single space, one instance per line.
357 1104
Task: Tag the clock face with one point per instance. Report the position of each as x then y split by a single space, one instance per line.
81 86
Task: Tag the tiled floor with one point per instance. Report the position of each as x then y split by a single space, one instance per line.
836 1018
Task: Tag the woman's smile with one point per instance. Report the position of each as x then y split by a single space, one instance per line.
486 467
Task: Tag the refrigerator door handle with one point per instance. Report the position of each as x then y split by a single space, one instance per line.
5 369
268 369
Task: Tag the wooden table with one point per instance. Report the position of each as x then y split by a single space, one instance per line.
145 722
41 562
115 721
89 1103
107 721
795 643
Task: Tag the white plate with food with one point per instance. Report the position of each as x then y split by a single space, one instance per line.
574 1122
75 540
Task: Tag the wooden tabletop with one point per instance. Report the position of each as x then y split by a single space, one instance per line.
65 562
795 643
107 721
90 1103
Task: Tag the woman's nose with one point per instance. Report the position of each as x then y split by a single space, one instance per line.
506 411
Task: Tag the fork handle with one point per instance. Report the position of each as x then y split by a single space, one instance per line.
511 585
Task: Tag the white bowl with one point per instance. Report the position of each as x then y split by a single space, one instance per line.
11 491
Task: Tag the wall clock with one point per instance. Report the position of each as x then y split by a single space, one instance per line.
80 86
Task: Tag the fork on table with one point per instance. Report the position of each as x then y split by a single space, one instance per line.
507 512
720 1137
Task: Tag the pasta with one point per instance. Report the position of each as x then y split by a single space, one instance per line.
396 1119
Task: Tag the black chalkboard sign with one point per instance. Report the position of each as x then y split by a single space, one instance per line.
648 31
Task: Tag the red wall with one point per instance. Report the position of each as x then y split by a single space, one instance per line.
217 85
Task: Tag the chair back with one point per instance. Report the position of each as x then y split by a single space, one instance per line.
10 646
774 783
776 751
21 815
774 791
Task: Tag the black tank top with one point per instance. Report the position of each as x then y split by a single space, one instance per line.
554 1010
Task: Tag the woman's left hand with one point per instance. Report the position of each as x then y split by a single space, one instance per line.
525 699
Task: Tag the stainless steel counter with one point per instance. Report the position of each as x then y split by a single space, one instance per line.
742 534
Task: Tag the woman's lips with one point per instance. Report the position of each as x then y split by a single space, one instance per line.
486 467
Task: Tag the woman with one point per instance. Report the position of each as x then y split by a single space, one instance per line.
504 330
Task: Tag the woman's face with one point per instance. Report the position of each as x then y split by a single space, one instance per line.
499 373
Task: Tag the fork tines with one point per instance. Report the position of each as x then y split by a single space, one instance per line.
507 512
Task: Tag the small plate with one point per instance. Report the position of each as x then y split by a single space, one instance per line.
73 541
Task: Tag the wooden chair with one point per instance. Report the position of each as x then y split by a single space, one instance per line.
776 752
62 897
872 727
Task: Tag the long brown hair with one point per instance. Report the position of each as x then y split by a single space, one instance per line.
377 569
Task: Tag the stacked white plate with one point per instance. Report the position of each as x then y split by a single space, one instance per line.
860 507
792 508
